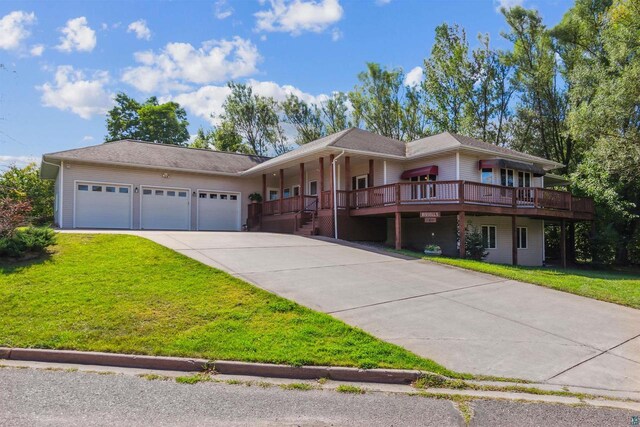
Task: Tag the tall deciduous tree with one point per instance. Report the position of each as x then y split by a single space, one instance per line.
307 119
335 113
255 119
151 121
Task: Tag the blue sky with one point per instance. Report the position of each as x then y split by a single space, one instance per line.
62 61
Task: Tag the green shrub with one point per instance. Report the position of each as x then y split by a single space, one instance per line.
27 240
474 246
633 248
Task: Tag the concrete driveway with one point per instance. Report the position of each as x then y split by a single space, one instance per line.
467 321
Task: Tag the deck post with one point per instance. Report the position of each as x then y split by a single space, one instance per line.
462 225
347 173
281 203
571 251
563 243
264 187
461 192
514 241
301 192
371 171
332 182
321 162
398 231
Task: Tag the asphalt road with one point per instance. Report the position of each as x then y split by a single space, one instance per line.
33 397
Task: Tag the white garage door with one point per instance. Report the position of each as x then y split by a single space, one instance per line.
100 205
218 210
164 208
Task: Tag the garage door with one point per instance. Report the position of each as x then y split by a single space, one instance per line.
100 205
218 210
165 208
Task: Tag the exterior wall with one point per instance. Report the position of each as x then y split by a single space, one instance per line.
393 171
56 202
469 171
148 177
446 166
416 234
533 255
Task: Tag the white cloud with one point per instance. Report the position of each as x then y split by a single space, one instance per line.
507 4
37 50
208 100
298 16
87 138
336 34
413 77
73 91
179 64
77 35
382 2
14 29
140 28
19 161
222 10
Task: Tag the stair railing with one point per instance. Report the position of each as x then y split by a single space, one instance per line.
311 206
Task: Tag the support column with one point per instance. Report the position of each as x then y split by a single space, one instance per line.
514 241
571 250
398 231
371 177
462 224
331 181
301 180
264 187
321 161
347 173
563 243
281 188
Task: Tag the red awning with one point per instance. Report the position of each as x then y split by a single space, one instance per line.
425 170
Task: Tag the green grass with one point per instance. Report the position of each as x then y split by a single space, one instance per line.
351 389
297 386
125 294
606 285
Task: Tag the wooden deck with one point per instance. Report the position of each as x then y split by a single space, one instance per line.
444 196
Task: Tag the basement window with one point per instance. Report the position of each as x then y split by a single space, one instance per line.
489 236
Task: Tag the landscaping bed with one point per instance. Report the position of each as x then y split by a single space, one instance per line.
126 294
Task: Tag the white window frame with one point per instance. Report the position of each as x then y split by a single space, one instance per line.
513 177
519 237
524 174
293 190
286 193
482 176
277 191
488 226
317 188
366 180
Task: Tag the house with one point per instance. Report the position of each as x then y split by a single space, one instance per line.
354 185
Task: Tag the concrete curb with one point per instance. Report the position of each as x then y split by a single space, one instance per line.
387 376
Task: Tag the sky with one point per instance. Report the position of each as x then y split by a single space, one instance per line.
62 62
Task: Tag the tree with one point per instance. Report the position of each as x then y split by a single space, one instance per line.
203 140
225 138
334 113
25 184
154 122
255 119
380 100
542 104
448 82
307 119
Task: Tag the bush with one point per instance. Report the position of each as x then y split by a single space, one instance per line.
474 246
633 248
29 240
13 214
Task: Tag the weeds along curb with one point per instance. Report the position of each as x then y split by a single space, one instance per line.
387 376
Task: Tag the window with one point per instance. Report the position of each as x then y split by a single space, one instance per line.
524 179
233 197
425 190
521 233
313 188
286 193
182 194
83 187
171 193
146 192
110 189
202 195
123 190
213 196
223 197
487 176
506 177
96 188
489 236
296 190
159 192
273 194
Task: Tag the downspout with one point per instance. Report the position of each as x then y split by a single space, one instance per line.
335 195
60 172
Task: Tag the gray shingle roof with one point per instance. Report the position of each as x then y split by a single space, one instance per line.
138 153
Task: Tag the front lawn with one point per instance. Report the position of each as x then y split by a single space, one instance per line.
118 293
606 285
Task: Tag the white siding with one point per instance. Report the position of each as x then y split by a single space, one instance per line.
138 177
502 254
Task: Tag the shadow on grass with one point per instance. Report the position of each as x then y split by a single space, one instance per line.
12 265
